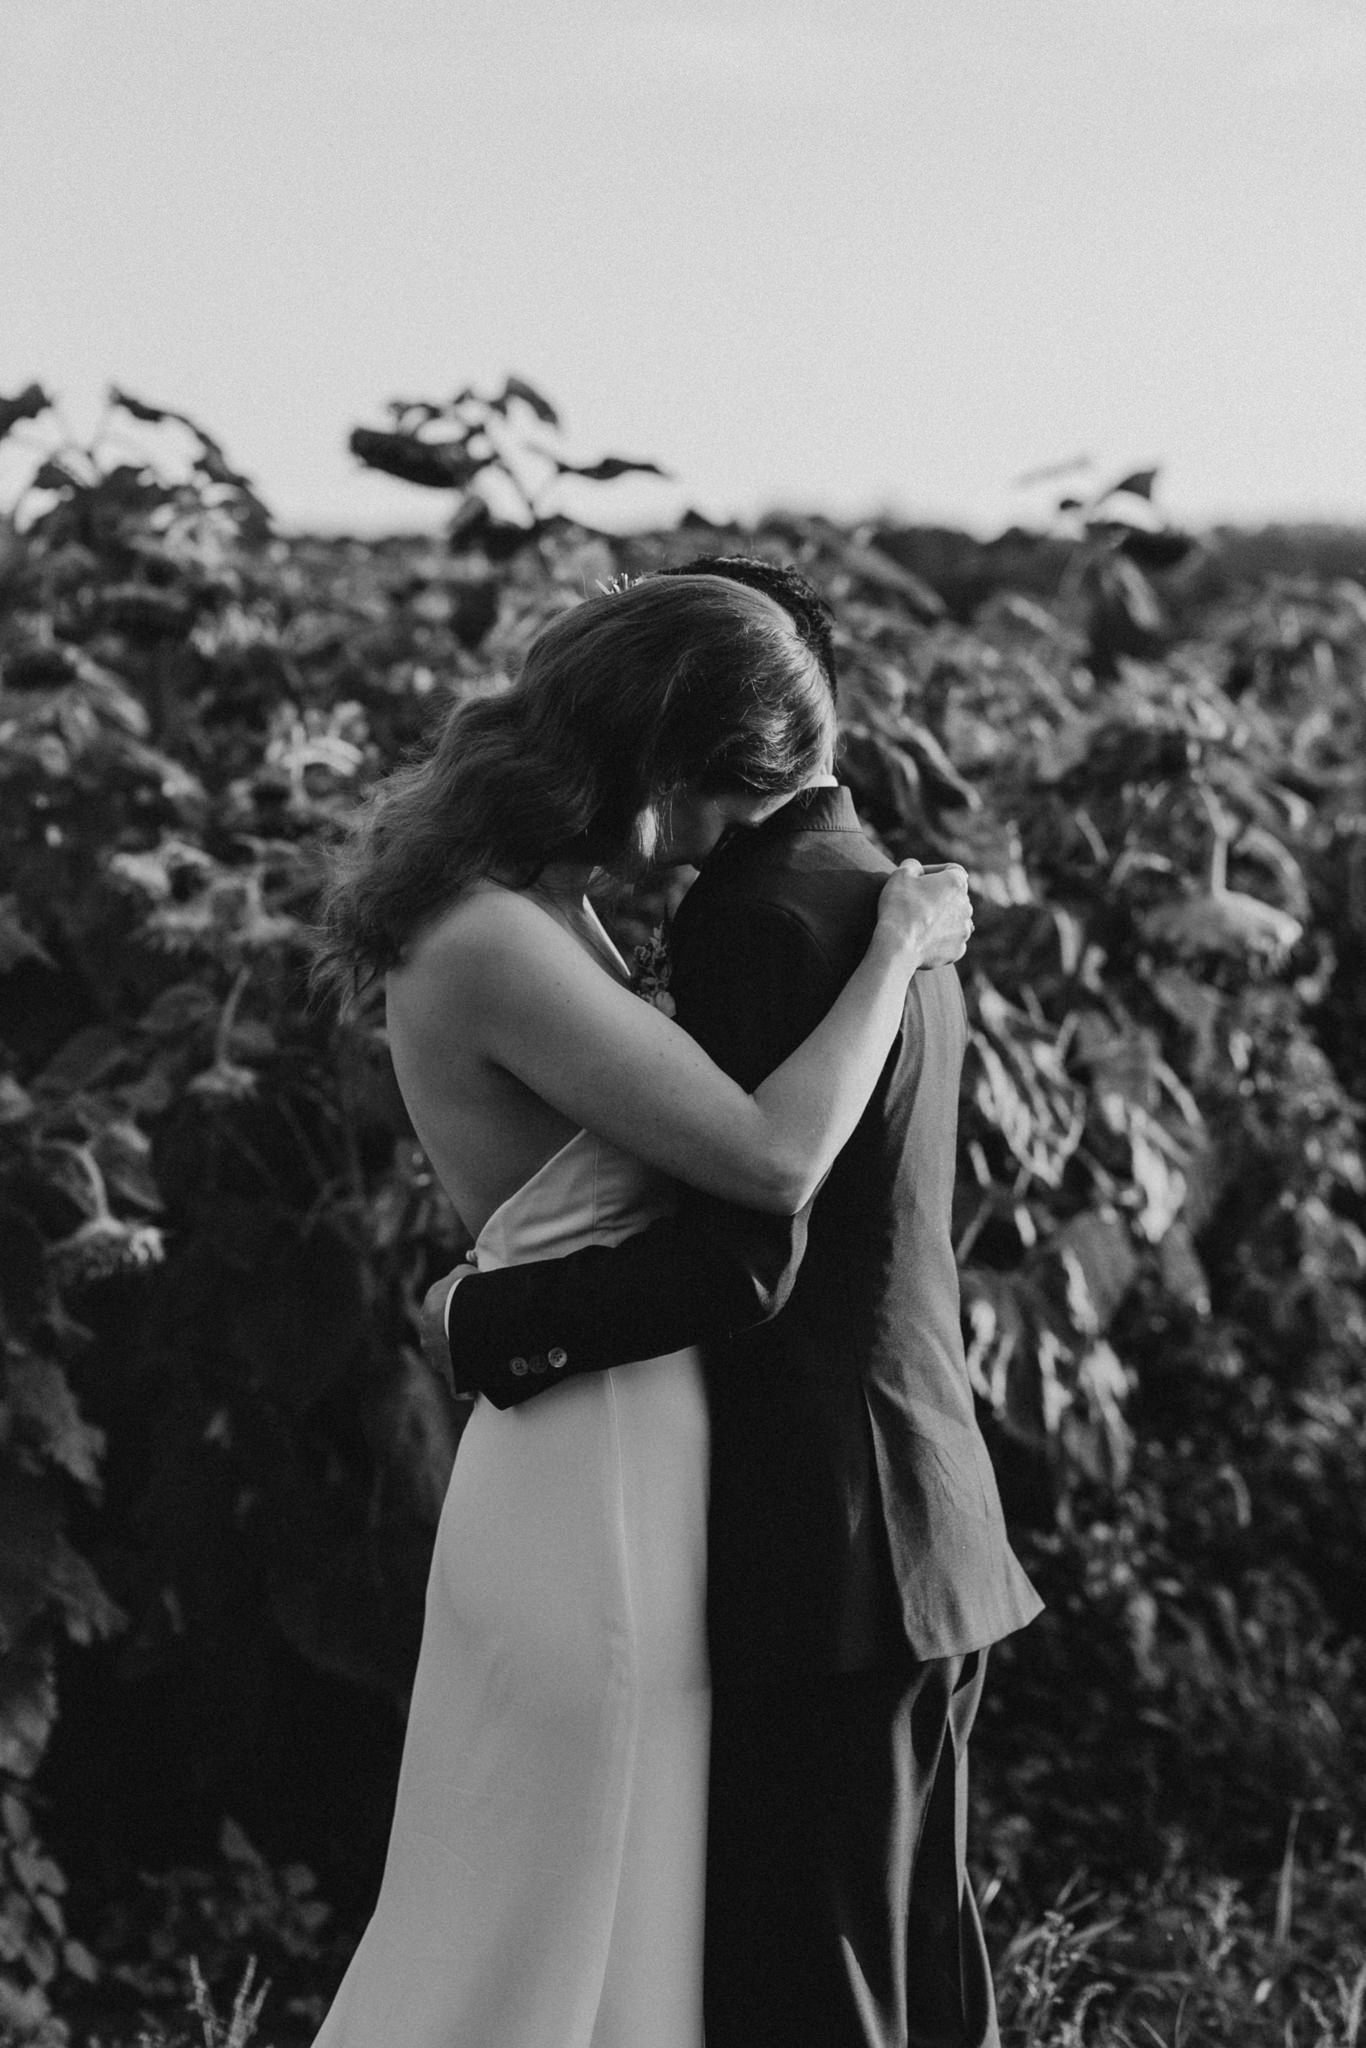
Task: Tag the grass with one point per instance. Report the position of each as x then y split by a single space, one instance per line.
238 2028
1189 1962
1196 1963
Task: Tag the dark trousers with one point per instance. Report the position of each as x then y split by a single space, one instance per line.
839 1913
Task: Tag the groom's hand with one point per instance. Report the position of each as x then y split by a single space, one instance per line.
432 1327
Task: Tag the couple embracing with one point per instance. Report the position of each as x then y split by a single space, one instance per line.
722 1552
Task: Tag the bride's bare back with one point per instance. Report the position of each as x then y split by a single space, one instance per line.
484 1130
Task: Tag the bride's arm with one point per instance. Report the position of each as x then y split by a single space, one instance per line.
524 995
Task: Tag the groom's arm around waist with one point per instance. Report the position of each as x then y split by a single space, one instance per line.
750 982
516 1332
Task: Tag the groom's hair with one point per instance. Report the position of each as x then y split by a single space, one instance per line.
697 678
800 599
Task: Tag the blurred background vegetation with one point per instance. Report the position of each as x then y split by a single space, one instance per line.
221 1458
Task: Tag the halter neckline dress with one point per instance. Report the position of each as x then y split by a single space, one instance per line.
544 1880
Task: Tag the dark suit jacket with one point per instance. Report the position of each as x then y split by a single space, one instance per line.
854 1514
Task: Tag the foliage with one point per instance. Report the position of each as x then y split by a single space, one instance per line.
212 1203
1207 1964
240 1905
221 1458
1195 1965
477 447
238 2030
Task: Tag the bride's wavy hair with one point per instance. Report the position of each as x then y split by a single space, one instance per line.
677 680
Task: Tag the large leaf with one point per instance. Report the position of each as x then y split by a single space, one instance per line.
1196 1006
608 469
44 1417
55 475
435 465
211 457
25 405
885 781
1021 1088
941 781
1183 1272
1158 1179
87 1612
1158 550
28 1709
16 940
1122 586
1096 1433
518 388
150 415
475 528
39 1572
210 462
89 1057
873 565
1126 618
1121 1057
1224 922
995 1332
1100 1265
1137 484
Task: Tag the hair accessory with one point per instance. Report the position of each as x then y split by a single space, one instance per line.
650 971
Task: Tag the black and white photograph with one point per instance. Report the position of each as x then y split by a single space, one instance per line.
683 1024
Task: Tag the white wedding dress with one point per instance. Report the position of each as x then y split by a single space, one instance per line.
544 1881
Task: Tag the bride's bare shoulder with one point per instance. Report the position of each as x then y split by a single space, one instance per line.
487 927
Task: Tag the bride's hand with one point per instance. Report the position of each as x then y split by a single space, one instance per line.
927 913
432 1329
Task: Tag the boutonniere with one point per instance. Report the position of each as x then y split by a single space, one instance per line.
650 971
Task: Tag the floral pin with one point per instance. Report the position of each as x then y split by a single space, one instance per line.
650 973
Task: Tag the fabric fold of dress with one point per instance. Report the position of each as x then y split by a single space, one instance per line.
544 1880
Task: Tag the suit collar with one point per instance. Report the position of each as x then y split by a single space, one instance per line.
825 808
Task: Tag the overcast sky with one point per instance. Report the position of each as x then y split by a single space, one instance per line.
835 254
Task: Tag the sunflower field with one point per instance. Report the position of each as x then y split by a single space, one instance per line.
221 1455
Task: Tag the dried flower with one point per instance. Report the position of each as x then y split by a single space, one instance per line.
651 970
105 1246
225 1081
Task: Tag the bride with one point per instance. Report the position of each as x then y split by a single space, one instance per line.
543 1886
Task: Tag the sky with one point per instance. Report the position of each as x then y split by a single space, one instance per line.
850 256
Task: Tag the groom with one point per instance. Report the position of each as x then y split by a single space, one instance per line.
858 1563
